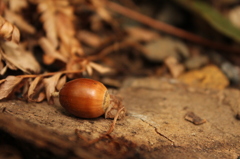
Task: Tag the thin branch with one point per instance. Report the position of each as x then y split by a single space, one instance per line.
171 29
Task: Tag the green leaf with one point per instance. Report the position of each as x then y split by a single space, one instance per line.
213 17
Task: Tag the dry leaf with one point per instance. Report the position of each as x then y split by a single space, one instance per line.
61 82
66 33
50 50
57 18
33 85
193 118
3 70
208 77
8 31
17 56
8 85
41 97
47 59
47 10
101 69
50 85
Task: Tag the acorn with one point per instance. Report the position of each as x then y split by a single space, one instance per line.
87 98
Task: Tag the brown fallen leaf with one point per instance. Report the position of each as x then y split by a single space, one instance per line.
17 57
50 85
50 50
193 118
57 18
61 82
9 31
67 33
100 68
47 10
32 87
41 97
8 85
208 77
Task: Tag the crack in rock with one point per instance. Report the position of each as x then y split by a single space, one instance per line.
144 119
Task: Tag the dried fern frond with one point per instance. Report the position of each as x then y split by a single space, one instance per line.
57 18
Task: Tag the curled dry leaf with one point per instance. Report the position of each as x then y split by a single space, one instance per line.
41 97
50 85
8 85
61 82
18 57
8 31
32 87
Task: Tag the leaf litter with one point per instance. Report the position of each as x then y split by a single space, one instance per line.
45 43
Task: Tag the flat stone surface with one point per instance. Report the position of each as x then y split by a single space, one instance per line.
155 124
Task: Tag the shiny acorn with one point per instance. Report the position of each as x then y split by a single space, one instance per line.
87 98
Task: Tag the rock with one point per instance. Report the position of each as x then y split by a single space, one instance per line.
231 71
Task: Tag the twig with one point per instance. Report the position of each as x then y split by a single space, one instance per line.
170 29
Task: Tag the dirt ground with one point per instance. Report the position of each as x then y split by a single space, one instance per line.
157 125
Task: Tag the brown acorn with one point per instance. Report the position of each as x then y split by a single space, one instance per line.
87 98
